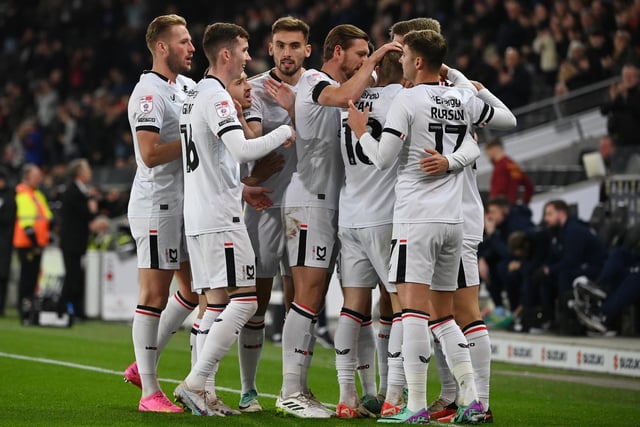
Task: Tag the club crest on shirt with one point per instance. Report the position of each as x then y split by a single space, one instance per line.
146 104
223 109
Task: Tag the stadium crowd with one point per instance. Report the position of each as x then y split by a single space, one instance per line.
71 99
68 73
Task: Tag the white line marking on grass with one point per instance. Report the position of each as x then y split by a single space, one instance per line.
120 373
609 382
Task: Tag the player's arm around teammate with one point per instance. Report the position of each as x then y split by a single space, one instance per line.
223 260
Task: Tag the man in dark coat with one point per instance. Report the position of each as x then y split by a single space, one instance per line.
575 251
78 210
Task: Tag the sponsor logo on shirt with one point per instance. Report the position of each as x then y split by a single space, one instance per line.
226 121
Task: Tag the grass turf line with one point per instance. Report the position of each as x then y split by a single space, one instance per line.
61 393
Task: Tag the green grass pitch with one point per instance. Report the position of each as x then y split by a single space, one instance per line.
73 377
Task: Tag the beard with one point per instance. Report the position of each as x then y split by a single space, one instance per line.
176 65
349 72
288 71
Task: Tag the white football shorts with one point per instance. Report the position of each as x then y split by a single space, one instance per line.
364 256
468 275
160 242
426 253
266 232
222 260
310 235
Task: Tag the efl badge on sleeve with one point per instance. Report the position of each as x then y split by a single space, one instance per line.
146 104
314 78
222 108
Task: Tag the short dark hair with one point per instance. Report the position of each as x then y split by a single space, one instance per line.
341 35
390 67
559 205
495 142
289 23
221 35
429 45
500 201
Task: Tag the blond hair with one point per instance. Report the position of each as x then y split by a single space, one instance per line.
159 26
401 28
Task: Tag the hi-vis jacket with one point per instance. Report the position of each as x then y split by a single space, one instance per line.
32 211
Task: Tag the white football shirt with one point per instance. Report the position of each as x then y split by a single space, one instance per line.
319 172
154 106
441 118
472 207
267 111
210 132
367 195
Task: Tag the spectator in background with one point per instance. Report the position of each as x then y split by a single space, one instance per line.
469 62
613 163
617 287
575 251
514 80
544 46
527 252
623 53
31 234
29 143
78 217
623 111
507 178
599 48
513 30
501 220
578 70
7 224
60 43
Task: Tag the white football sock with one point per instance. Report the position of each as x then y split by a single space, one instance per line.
144 332
366 352
222 335
172 317
480 351
250 344
210 315
296 338
193 341
395 374
456 352
416 351
448 386
382 348
346 343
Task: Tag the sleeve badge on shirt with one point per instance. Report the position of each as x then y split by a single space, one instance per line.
314 78
146 104
223 108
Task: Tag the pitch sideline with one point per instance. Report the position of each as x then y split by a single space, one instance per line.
626 384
